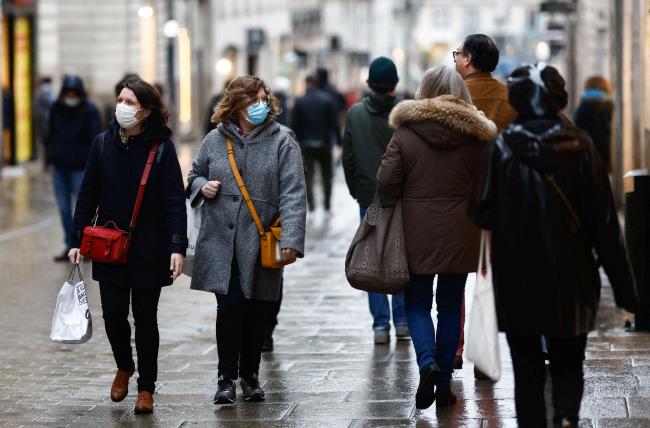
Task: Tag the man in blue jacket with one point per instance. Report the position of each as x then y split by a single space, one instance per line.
74 123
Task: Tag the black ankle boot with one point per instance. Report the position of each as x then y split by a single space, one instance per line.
429 376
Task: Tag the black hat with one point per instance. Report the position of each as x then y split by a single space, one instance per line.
537 91
383 73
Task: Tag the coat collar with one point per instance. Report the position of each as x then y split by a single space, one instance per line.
264 130
448 110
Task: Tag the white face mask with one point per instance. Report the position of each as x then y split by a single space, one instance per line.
125 115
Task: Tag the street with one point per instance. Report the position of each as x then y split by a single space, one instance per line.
325 370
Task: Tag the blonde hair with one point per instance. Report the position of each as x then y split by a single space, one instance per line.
442 80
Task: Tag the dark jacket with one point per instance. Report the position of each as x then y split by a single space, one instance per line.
432 163
314 120
72 129
595 116
545 275
365 139
111 181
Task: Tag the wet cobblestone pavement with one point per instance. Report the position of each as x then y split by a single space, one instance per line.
325 370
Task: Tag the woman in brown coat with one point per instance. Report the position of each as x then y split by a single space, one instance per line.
431 163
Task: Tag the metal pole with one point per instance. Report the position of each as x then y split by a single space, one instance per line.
408 10
171 86
618 100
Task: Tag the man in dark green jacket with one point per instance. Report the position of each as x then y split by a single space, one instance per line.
365 139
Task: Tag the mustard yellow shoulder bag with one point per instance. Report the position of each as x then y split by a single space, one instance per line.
270 252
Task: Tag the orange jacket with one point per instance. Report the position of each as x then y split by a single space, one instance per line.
491 96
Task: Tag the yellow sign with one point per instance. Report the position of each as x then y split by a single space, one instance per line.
22 89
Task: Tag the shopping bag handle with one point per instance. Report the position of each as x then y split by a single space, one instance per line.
75 269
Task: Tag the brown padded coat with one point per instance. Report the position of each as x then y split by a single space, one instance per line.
432 163
491 97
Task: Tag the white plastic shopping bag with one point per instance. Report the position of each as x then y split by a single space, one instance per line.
193 228
72 322
482 345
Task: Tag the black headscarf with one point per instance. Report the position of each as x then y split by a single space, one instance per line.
537 91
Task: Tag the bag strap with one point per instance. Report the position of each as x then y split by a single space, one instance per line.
242 187
551 179
143 185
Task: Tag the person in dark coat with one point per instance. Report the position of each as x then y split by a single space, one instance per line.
73 124
431 163
314 120
594 115
365 138
109 189
546 198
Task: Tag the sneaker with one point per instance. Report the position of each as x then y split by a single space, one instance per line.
251 389
381 337
444 397
402 332
226 394
458 362
425 395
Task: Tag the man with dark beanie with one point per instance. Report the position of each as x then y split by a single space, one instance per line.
365 139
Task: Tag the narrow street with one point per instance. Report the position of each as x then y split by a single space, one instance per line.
325 370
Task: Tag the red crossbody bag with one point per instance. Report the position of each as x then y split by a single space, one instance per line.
109 243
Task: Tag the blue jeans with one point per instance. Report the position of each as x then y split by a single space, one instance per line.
66 189
419 301
379 306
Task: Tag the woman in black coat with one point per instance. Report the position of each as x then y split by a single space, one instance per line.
594 115
546 199
111 181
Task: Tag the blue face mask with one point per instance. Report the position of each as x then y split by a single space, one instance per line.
256 114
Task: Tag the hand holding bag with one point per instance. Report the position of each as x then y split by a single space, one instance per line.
109 243
72 322
482 345
270 251
376 260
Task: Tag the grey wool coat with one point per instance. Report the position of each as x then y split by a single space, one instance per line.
270 163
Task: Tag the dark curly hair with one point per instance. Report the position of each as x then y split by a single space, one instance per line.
484 52
239 94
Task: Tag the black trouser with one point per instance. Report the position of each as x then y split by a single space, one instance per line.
115 308
273 312
566 357
322 156
241 325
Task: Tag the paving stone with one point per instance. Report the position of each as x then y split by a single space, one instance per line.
325 370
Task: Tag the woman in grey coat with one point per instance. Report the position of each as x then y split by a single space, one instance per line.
227 260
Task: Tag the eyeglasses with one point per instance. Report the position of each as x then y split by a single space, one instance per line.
265 99
456 53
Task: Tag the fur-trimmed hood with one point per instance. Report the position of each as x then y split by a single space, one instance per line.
448 111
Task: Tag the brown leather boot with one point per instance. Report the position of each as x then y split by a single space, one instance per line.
144 403
120 388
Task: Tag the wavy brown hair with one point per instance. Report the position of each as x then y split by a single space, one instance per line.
239 94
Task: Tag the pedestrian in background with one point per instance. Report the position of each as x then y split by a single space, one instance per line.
227 260
594 115
314 120
43 99
110 186
547 201
365 138
475 59
73 124
431 163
